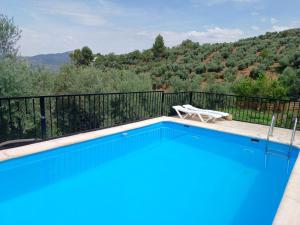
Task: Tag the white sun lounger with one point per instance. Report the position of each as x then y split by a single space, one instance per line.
222 114
191 113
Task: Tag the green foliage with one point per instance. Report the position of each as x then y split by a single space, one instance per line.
218 88
9 36
261 87
201 68
243 65
82 57
255 73
244 86
214 67
230 75
72 79
213 85
189 44
290 78
290 59
225 54
18 78
159 48
147 55
284 61
230 62
178 85
265 53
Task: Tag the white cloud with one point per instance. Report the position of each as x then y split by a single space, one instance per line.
85 19
78 13
279 28
293 24
211 35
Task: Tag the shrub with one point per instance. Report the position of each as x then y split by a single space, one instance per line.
18 78
178 85
290 78
262 87
201 68
182 74
214 67
230 63
243 65
229 75
254 73
225 54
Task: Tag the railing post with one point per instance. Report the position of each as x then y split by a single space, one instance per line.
162 104
191 98
43 117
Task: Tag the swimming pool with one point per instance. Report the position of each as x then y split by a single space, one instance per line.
166 173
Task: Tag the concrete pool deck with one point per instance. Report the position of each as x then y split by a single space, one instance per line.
289 209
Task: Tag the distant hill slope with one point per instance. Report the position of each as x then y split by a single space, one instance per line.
269 54
51 61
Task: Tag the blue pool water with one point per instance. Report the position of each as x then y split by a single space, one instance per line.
163 174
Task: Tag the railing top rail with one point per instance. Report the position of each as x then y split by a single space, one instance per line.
71 95
167 93
181 92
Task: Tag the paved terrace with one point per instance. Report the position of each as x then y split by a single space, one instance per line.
289 210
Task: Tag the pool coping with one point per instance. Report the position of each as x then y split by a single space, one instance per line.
289 208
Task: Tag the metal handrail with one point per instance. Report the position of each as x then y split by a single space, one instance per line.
270 132
293 135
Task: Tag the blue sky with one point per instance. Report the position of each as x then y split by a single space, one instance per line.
120 26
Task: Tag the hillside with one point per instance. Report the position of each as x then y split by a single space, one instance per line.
267 54
51 61
265 66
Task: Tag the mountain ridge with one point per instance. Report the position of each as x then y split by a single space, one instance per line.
52 61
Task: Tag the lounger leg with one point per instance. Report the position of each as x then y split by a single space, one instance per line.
200 117
179 114
186 116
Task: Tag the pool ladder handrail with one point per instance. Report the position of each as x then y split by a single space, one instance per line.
293 136
270 133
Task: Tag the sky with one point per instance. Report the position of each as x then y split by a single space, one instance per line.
121 26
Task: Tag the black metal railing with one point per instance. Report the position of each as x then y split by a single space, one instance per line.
44 117
251 109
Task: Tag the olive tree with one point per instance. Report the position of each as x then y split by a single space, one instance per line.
9 36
